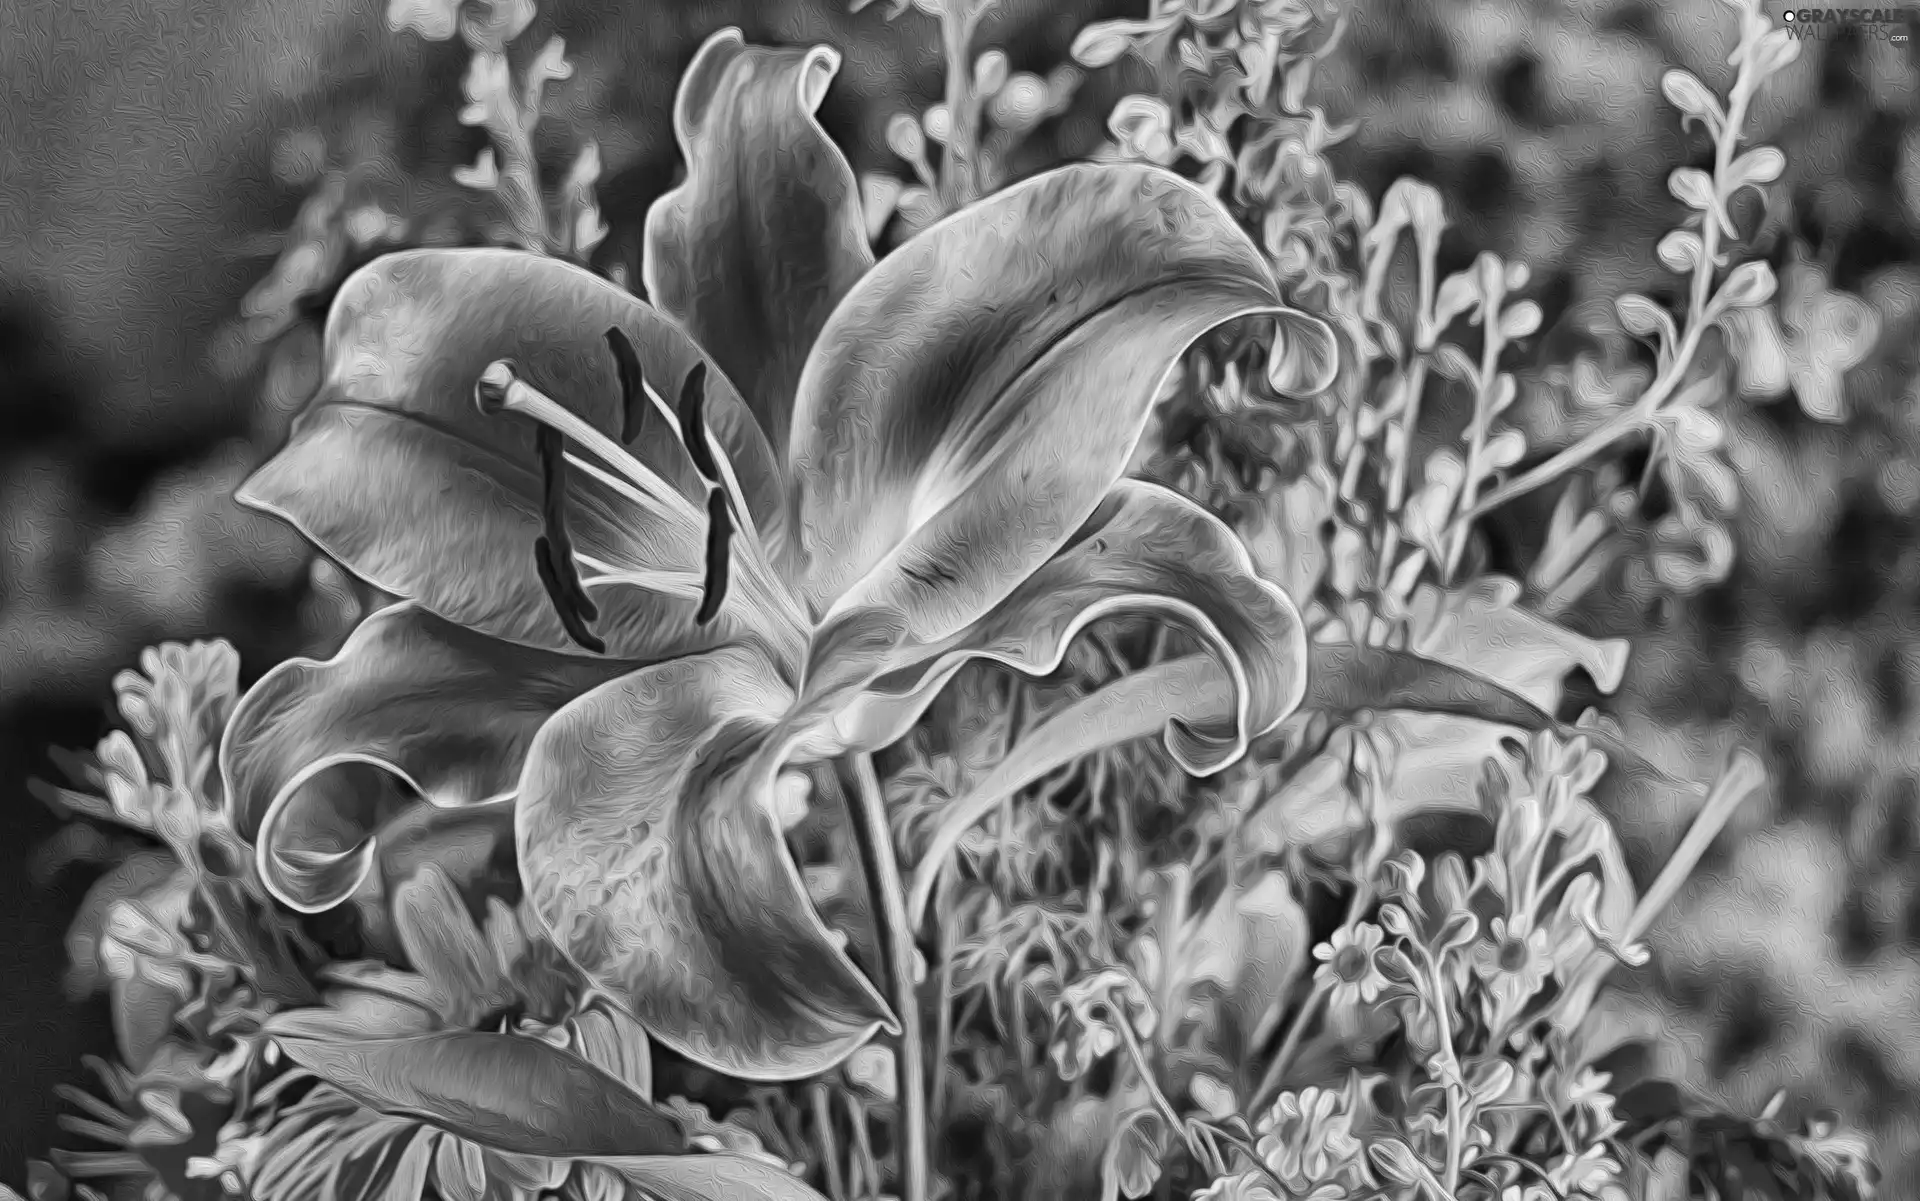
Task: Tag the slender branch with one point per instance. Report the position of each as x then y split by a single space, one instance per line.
958 22
829 1146
1269 1088
1640 416
1138 1054
875 839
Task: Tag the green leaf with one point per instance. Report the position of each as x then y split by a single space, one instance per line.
1131 1165
1756 168
1642 318
518 1095
1102 44
1340 680
709 1178
613 1042
753 251
1132 707
1685 92
1521 320
1694 188
1680 250
1748 286
1483 630
448 951
1252 943
948 441
356 1013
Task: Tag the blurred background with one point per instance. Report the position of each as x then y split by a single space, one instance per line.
185 183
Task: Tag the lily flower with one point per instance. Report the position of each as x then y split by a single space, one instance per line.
656 556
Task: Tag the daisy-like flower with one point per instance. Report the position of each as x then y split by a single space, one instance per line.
1308 1142
656 554
1514 962
1348 964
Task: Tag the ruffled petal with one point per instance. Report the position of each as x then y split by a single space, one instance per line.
394 471
318 757
649 848
978 394
1147 549
763 239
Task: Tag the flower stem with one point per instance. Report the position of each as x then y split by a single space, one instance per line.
958 22
829 1146
1641 415
875 839
1269 1088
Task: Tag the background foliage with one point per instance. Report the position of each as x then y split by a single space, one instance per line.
197 179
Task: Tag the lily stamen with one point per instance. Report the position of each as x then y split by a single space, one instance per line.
693 435
719 553
553 550
693 423
502 390
689 419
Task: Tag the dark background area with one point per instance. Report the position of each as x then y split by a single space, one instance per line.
159 154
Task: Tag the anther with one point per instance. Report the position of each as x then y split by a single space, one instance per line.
719 538
633 385
558 581
553 550
693 423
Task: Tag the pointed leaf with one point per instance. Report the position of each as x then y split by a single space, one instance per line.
650 850
447 949
766 235
1146 550
518 1095
445 712
1133 706
616 1044
354 1014
1438 767
707 1177
393 470
1483 630
1252 943
976 396
1342 680
1130 1167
